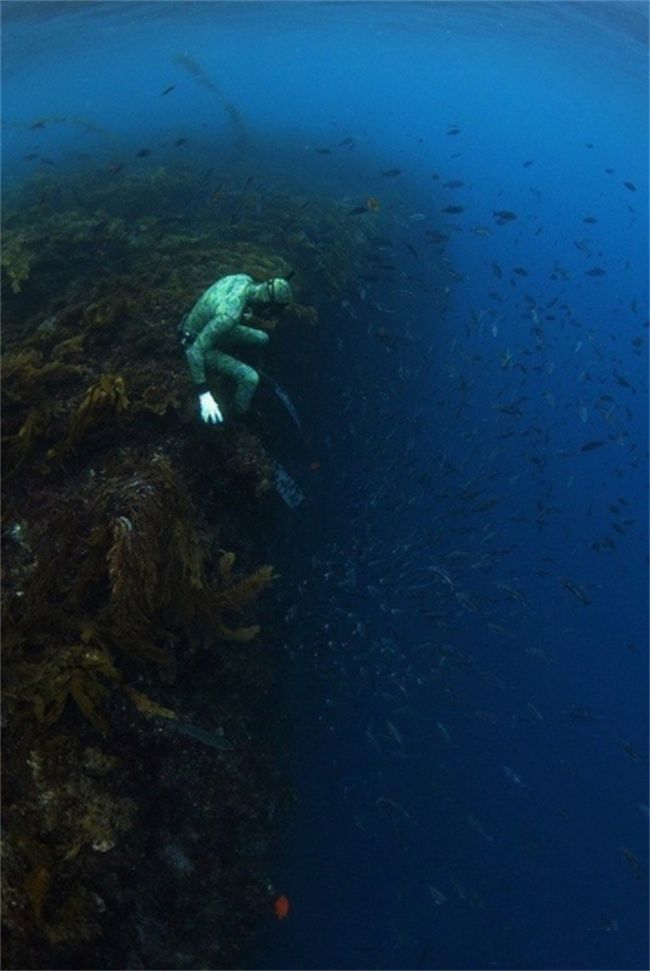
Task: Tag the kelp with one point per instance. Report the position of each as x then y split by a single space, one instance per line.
25 375
104 402
38 422
137 582
239 594
117 500
147 706
17 259
41 688
203 78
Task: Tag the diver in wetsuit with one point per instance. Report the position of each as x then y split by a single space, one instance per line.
214 322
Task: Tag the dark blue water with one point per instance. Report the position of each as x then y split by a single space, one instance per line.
465 643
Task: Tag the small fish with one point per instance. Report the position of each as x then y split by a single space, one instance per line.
167 90
590 219
596 271
454 184
323 151
630 185
357 211
346 141
46 161
114 167
373 203
610 171
513 593
143 153
632 753
575 589
496 269
212 739
281 907
179 141
395 732
31 156
504 215
37 124
444 731
475 823
631 860
282 395
453 130
519 270
392 173
481 231
453 210
437 896
391 807
590 446
513 776
580 713
528 163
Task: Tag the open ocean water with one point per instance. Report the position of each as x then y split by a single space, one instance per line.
463 633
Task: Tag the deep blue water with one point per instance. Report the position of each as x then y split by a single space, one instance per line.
466 648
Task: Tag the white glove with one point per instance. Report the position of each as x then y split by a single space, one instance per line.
210 411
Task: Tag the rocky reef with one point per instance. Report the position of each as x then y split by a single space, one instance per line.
143 781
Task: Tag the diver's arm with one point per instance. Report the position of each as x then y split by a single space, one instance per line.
195 355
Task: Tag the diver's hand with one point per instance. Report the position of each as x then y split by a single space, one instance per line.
210 411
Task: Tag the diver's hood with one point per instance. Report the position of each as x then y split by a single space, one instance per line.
279 290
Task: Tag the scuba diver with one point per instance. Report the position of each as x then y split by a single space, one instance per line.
214 322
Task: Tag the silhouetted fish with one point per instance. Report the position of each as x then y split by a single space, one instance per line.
357 211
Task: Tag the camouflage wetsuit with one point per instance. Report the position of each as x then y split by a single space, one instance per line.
214 322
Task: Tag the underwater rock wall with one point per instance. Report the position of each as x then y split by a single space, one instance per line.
143 732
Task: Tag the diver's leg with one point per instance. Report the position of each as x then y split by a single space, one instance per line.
245 377
247 335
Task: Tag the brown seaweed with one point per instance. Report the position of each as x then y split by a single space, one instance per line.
119 526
